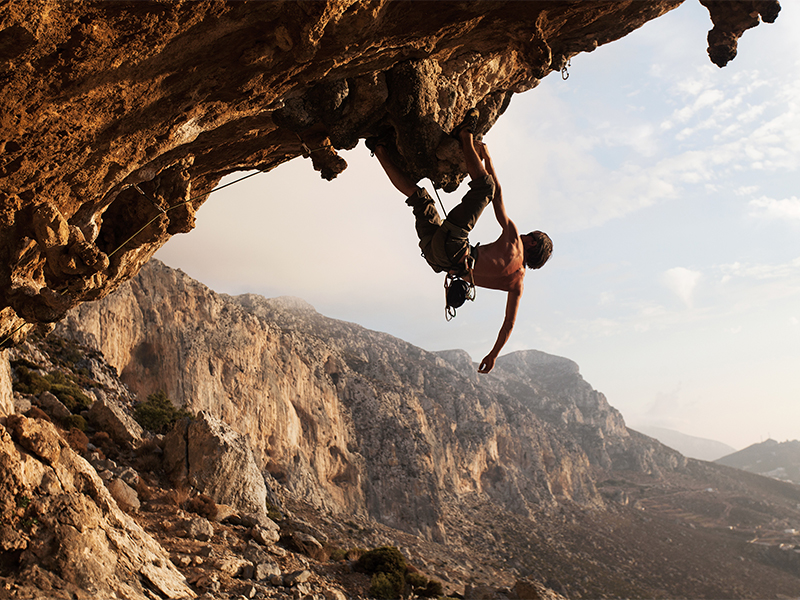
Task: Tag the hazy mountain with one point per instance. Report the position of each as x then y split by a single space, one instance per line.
688 445
780 460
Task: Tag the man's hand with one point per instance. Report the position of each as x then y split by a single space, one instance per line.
487 364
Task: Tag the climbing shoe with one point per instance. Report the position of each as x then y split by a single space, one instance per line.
470 123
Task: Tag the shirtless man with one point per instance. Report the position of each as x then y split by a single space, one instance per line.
499 265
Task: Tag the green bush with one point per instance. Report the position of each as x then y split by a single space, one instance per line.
69 394
422 586
386 559
74 422
417 581
157 413
58 384
337 554
388 568
386 586
433 589
30 382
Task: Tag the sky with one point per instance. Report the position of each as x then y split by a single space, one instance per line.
669 188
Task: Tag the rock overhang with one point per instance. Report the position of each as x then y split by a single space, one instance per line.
118 119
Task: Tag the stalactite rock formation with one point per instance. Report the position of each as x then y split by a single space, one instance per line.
118 118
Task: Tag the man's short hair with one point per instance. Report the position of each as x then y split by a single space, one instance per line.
536 257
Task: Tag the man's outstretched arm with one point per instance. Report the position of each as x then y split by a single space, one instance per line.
512 304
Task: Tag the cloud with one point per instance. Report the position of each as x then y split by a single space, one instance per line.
787 209
682 282
786 271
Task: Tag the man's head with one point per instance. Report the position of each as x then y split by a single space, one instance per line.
538 248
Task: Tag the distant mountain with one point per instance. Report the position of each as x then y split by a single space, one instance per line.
688 445
526 473
779 460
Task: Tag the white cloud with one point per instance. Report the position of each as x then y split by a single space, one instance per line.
682 282
770 208
759 271
745 190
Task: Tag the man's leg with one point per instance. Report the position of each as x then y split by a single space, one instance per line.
426 217
399 179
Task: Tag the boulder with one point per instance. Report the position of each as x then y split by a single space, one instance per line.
217 461
266 570
108 415
266 535
307 544
296 577
21 404
53 406
125 495
196 528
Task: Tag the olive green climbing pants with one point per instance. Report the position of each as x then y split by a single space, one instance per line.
445 243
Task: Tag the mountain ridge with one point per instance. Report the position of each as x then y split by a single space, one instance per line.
484 482
688 445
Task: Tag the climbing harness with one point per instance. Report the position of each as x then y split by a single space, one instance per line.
458 290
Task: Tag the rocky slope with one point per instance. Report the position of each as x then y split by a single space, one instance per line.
118 118
315 437
358 422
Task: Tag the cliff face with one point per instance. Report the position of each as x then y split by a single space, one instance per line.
359 422
118 118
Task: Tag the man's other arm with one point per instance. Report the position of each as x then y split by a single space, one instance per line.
512 304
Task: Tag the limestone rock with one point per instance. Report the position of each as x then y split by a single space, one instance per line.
52 406
21 404
106 414
358 422
125 495
102 552
216 461
6 391
196 528
528 589
121 121
296 577
307 544
266 535
265 570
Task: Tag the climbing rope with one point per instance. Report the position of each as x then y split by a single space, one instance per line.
164 211
439 199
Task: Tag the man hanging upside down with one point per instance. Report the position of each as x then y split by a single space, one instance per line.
499 265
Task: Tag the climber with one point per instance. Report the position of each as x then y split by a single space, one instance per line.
499 265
